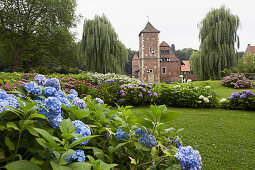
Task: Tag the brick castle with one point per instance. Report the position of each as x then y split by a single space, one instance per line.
157 62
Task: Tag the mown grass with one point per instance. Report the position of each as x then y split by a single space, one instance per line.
222 91
224 138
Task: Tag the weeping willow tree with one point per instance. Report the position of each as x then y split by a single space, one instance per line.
102 50
218 36
195 62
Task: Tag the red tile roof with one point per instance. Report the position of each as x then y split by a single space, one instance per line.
186 66
252 49
164 44
149 28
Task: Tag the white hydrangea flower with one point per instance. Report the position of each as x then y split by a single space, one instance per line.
223 100
207 87
201 97
206 100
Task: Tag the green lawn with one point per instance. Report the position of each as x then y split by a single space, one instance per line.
221 90
224 138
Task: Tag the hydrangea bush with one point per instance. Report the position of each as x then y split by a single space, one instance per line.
237 81
48 129
243 100
187 95
137 94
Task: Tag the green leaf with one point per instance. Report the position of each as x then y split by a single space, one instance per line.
12 125
36 115
168 116
80 140
56 166
47 136
42 142
28 107
15 111
155 110
21 105
120 145
37 161
68 153
31 130
9 143
140 146
133 161
131 120
146 123
149 116
80 165
21 165
66 126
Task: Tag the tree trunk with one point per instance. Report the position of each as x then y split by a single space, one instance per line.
18 52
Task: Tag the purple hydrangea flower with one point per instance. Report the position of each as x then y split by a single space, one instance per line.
140 95
243 96
155 94
99 100
74 92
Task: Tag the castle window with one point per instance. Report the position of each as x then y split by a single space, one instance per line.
162 52
168 59
166 51
149 71
163 70
161 59
151 50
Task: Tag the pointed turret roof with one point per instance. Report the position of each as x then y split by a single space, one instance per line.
149 28
164 44
135 57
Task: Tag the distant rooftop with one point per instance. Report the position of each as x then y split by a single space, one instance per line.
164 44
186 66
149 29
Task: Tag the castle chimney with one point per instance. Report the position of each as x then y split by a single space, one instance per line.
249 45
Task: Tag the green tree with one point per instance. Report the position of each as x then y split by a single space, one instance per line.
195 62
128 65
173 47
246 64
23 19
218 36
101 48
185 53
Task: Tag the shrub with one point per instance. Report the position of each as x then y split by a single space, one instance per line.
137 94
244 100
187 95
237 81
52 131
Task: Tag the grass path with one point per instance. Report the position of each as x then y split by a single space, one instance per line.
224 138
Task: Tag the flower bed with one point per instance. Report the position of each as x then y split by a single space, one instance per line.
237 81
43 127
244 100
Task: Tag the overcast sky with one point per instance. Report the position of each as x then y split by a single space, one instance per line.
176 19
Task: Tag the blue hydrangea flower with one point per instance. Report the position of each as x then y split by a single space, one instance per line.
50 92
3 103
176 140
72 91
100 100
61 94
71 96
65 102
147 140
81 129
53 104
3 96
53 83
55 121
79 155
140 132
33 88
120 135
189 158
12 101
79 102
40 79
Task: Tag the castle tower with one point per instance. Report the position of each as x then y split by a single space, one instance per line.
135 65
149 70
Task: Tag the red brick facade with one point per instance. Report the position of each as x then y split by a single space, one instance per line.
157 62
135 66
249 49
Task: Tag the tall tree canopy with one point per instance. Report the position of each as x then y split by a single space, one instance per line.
185 53
218 36
101 48
22 21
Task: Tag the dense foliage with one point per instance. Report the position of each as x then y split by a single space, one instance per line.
237 81
218 36
244 100
101 49
246 64
32 28
44 128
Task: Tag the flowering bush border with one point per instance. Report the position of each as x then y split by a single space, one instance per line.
237 81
